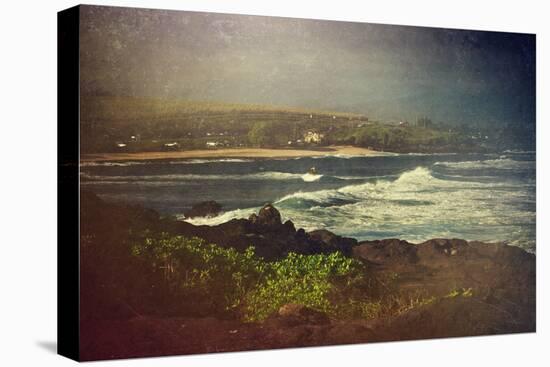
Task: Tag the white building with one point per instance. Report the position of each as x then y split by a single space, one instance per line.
313 137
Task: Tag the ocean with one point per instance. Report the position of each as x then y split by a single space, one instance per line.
415 197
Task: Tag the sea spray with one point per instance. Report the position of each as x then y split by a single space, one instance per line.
489 197
416 206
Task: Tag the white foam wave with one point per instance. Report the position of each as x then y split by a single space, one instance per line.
515 151
427 154
268 176
194 177
416 206
350 156
222 218
501 163
111 164
308 177
207 161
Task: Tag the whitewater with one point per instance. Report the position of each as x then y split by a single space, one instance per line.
486 197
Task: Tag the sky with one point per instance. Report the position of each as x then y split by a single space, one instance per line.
386 72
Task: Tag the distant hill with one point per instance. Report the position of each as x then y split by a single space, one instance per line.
108 120
139 124
131 109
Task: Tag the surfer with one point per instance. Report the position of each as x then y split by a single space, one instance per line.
312 171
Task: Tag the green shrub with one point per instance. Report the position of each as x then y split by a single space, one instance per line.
230 280
202 271
213 279
303 279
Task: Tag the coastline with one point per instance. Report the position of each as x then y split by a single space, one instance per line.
234 153
439 288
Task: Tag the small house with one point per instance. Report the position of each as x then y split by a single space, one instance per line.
312 137
213 144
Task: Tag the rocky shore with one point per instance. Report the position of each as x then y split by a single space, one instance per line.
270 236
474 288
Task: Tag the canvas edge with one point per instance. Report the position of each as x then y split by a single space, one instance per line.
68 243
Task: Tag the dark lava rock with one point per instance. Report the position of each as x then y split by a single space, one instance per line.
387 252
300 235
454 317
326 240
204 209
499 276
269 217
289 226
465 288
253 218
271 238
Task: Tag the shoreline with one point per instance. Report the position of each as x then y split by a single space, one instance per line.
234 153
439 288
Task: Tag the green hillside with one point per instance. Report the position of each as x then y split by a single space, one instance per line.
130 124
153 122
399 138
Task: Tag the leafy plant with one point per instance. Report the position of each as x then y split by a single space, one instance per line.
204 271
464 292
303 279
217 279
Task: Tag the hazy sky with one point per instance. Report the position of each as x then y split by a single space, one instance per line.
386 72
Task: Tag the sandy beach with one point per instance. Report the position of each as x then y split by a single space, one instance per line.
233 153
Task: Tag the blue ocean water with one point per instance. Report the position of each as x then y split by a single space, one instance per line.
488 197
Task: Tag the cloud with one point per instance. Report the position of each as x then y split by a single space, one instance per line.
390 72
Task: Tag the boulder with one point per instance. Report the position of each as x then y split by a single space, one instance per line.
271 238
204 209
289 227
269 216
253 218
326 241
391 251
300 235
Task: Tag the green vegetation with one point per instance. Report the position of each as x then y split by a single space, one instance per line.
242 283
230 280
134 263
269 134
397 138
137 124
194 269
463 292
302 279
146 124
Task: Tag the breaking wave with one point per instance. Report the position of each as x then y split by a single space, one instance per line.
515 151
416 206
206 161
112 164
501 163
179 161
152 179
